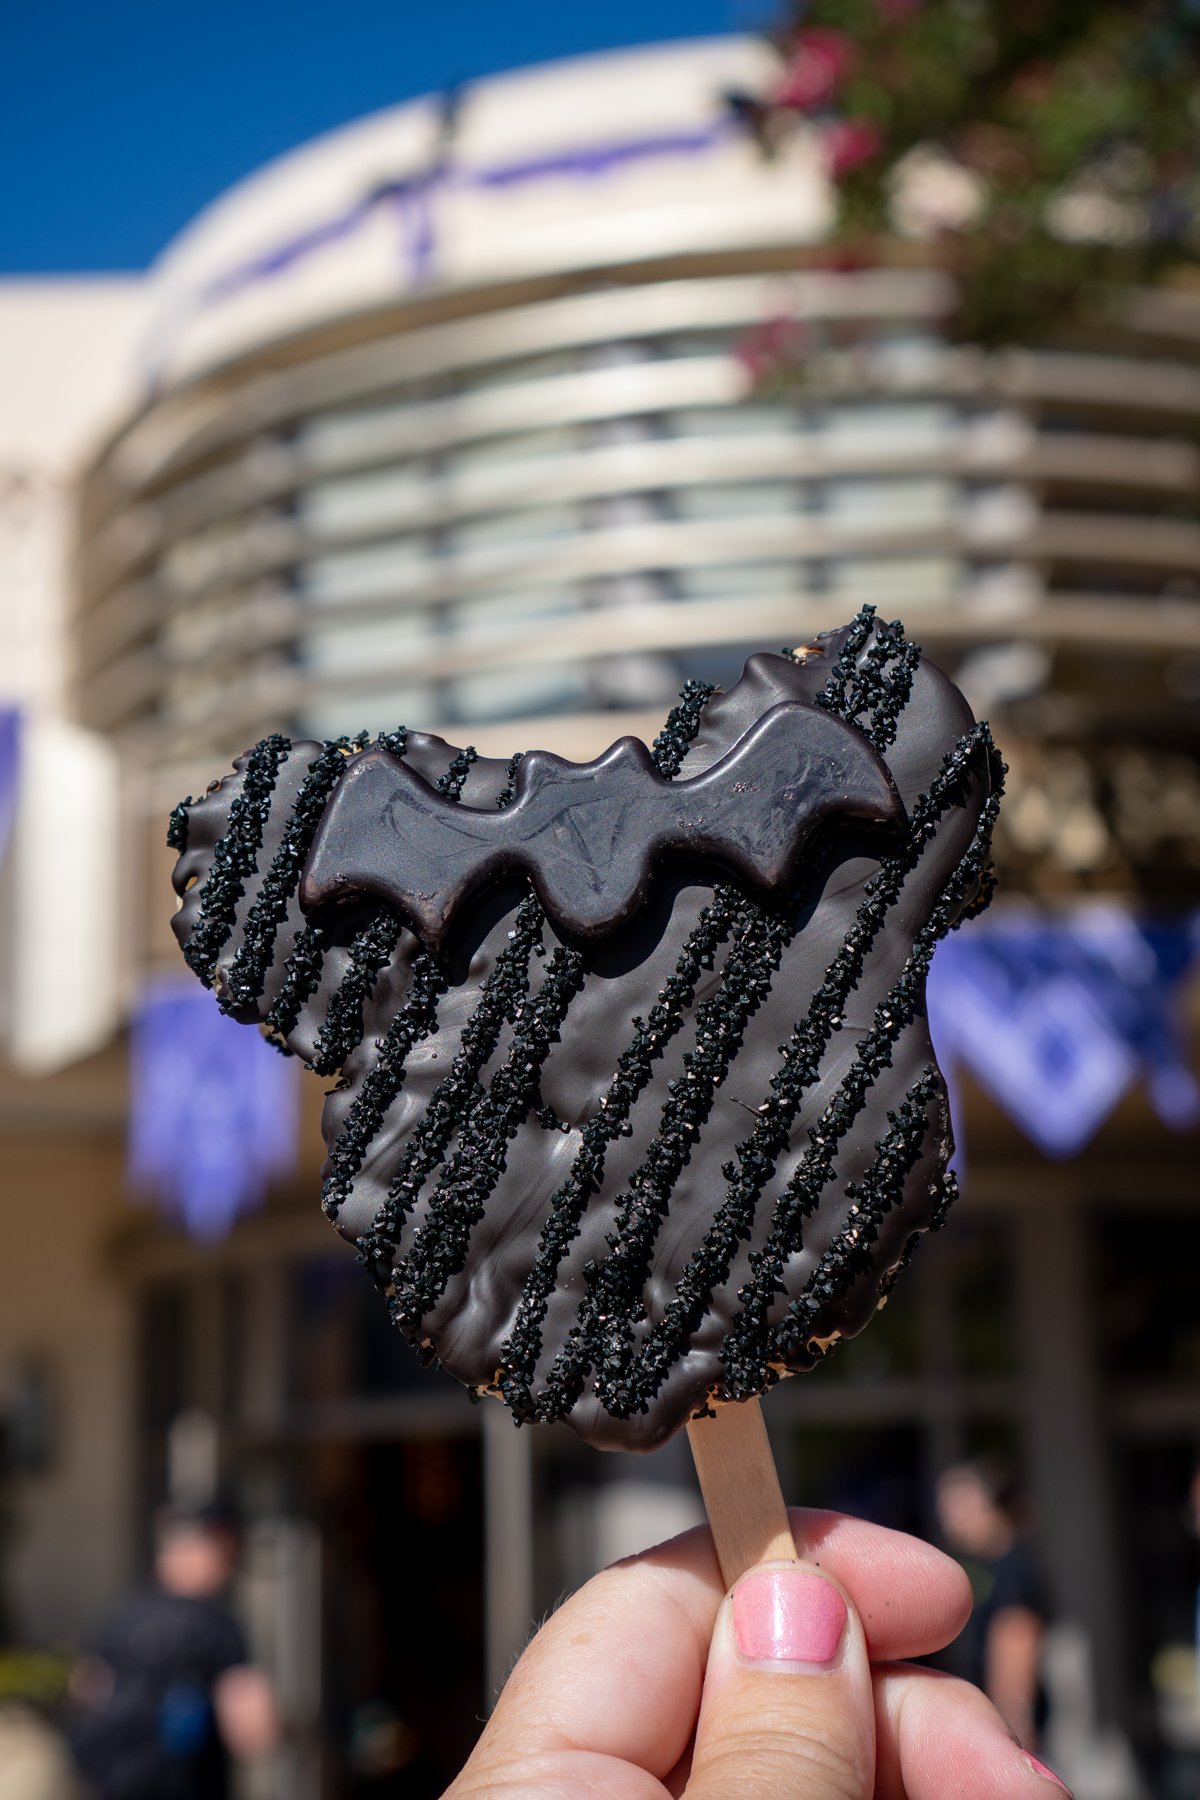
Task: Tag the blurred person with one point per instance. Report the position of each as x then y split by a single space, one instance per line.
1000 1647
169 1699
653 1681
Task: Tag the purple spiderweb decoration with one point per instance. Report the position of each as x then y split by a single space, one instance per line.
1057 1015
213 1109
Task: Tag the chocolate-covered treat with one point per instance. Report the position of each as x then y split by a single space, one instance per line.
637 1109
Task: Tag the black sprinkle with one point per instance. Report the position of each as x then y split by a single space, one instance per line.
370 949
234 859
248 972
451 783
177 826
507 792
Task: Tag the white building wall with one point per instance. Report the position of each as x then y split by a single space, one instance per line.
65 363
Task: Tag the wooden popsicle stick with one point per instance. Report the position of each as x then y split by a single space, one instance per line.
741 1489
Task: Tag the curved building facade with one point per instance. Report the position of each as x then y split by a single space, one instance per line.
457 416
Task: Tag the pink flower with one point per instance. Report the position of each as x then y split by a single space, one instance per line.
770 345
848 143
820 61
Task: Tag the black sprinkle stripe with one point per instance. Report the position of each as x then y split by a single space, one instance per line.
492 1124
451 783
879 685
946 1197
871 1199
840 689
177 826
361 1127
234 858
683 722
370 949
301 973
625 1382
427 985
873 692
302 970
500 999
248 972
635 1065
522 1349
415 1020
508 791
617 1302
759 940
756 1157
747 1351
440 1246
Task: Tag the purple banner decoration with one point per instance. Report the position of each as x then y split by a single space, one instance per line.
413 199
213 1111
10 771
1058 1015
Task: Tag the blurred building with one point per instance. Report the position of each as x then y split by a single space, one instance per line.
465 416
64 1382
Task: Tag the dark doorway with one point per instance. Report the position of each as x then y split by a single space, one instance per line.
403 1643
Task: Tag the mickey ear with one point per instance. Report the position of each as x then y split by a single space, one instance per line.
590 836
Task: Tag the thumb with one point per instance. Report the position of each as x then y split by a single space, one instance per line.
787 1706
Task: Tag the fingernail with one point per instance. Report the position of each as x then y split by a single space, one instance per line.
787 1615
1039 1768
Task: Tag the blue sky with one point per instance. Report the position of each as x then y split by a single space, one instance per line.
120 119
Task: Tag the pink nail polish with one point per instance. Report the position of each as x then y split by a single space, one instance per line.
1039 1768
786 1615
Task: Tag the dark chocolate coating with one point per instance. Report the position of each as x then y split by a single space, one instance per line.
592 837
617 1180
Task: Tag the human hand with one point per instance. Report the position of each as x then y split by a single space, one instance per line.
652 1682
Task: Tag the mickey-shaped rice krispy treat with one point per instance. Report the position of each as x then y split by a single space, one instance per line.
636 1109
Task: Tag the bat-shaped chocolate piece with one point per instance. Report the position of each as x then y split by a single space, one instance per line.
592 837
636 1109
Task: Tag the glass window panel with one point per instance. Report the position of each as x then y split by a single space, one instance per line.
332 438
741 419
607 510
494 611
635 587
920 502
896 581
980 1269
527 368
532 524
717 342
638 679
721 665
513 694
1145 1285
368 501
365 644
514 447
371 708
361 574
741 500
874 1472
887 425
758 579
